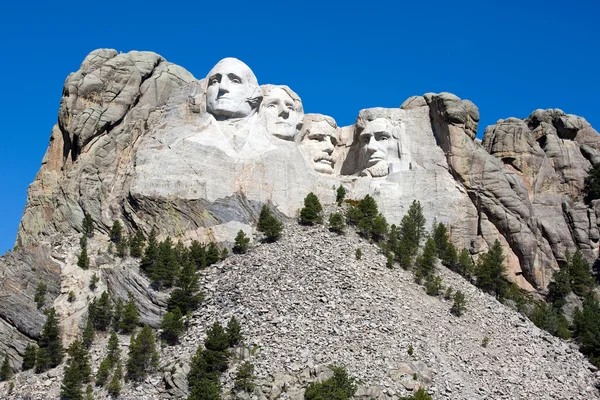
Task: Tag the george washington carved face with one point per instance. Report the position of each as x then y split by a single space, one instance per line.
232 90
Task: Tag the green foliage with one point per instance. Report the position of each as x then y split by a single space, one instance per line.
339 387
172 326
88 225
143 356
411 350
551 319
485 341
580 274
116 233
130 318
136 244
103 372
592 184
5 371
167 267
420 394
490 271
425 263
340 194
369 222
244 378
197 254
213 255
241 243
117 314
448 294
224 253
76 373
215 354
94 282
71 297
465 265
40 295
114 387
122 247
89 392
150 253
269 225
559 288
312 212
586 328
358 254
29 357
460 304
446 250
187 297
100 312
433 285
234 332
88 333
83 261
337 222
205 389
389 260
50 352
114 353
412 227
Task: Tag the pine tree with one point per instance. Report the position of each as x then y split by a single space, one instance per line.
187 297
460 304
100 311
269 225
340 194
580 273
234 332
379 228
89 392
29 357
592 184
172 326
103 372
83 261
224 253
94 282
114 387
465 266
215 353
116 232
244 379
197 254
212 254
40 295
5 371
50 353
136 244
446 250
425 264
560 287
143 356
312 212
118 315
88 333
241 243
150 258
337 222
586 327
76 373
490 272
88 225
131 316
122 247
114 352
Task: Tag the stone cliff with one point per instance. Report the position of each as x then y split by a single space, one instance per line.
142 141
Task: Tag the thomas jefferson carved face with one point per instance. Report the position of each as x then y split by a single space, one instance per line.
232 90
280 114
375 140
318 143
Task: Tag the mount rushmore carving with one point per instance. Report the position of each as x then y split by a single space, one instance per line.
141 140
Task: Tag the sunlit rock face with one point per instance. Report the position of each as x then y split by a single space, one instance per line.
197 159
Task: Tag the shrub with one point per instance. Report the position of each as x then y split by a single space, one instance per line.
425 264
40 295
339 387
50 352
340 194
88 225
312 212
5 371
143 356
551 319
29 357
71 297
116 233
241 243
269 225
337 222
244 379
485 341
420 394
358 253
433 285
136 244
234 332
83 261
131 317
94 282
172 326
460 304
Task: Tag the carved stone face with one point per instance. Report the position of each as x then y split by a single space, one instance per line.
231 89
375 140
279 114
318 145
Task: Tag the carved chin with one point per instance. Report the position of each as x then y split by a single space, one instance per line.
378 170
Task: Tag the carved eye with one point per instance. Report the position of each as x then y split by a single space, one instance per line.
271 105
236 80
213 81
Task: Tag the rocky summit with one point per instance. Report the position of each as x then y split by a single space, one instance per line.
141 141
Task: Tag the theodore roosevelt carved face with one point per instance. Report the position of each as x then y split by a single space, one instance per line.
281 111
232 90
319 138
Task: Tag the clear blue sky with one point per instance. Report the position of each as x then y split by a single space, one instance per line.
339 57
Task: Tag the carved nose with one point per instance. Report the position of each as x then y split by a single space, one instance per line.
284 112
372 145
328 146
